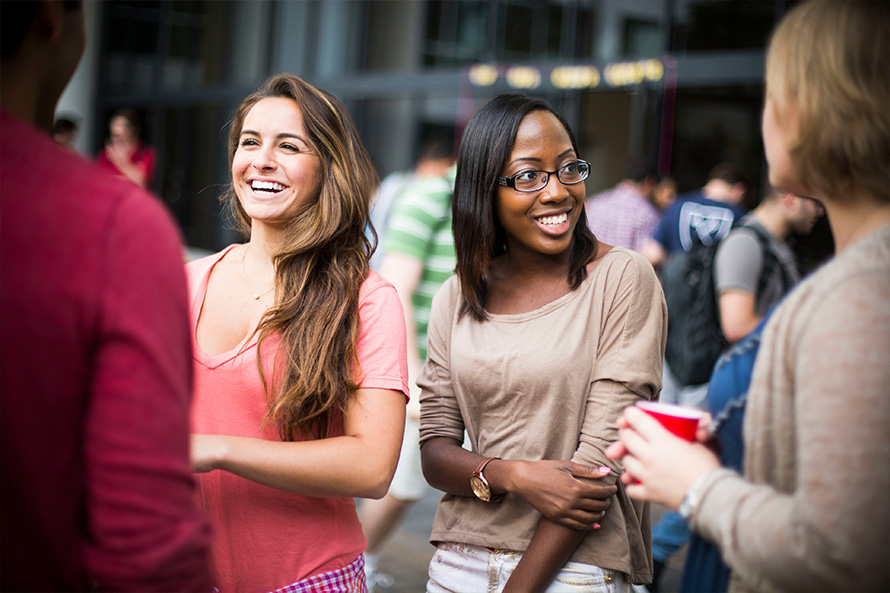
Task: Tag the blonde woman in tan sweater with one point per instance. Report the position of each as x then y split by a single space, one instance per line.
812 511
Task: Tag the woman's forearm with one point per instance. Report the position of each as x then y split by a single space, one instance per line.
549 550
333 467
447 466
359 463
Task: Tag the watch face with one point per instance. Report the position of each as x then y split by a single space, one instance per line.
480 489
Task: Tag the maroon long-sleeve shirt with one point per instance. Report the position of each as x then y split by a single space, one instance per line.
96 487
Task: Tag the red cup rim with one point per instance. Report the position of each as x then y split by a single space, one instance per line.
671 410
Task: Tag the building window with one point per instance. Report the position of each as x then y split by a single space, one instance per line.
456 32
710 26
642 39
467 31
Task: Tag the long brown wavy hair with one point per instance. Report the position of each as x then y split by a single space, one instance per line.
319 269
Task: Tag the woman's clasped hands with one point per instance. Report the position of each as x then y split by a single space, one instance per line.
659 466
554 489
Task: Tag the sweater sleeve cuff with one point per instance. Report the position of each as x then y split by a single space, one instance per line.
715 489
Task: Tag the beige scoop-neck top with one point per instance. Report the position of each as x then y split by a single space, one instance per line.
548 384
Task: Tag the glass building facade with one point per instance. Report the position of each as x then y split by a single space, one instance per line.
678 81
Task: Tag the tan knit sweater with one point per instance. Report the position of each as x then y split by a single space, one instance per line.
813 513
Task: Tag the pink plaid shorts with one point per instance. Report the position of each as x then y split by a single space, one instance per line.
349 579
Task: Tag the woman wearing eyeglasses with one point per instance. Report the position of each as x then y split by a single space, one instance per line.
535 347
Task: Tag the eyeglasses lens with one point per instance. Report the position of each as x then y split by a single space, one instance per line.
572 173
535 180
531 181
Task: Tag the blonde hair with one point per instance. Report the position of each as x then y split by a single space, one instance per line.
829 64
319 269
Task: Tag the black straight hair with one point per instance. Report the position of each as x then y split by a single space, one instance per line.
478 236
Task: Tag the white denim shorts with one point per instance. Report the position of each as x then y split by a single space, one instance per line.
465 568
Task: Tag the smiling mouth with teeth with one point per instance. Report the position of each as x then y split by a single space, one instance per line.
554 220
268 186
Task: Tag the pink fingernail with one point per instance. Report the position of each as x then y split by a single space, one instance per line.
596 525
604 469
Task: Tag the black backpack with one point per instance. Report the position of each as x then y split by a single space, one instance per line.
695 339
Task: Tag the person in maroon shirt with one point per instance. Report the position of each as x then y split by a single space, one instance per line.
96 490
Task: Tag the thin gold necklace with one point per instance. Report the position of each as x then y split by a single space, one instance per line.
256 295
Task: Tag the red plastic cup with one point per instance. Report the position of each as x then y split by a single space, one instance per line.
680 420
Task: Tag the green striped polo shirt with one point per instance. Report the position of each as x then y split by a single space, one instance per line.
420 227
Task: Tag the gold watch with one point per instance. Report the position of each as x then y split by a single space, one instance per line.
480 485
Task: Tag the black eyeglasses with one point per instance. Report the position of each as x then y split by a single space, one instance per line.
530 180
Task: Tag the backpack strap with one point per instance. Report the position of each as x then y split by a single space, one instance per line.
770 261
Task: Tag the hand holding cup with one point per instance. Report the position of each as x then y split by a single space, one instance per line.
661 459
679 420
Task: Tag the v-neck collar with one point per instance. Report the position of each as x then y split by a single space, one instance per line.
197 305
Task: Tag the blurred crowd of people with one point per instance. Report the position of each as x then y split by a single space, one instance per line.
262 418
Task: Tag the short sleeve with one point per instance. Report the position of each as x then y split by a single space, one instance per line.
738 263
382 346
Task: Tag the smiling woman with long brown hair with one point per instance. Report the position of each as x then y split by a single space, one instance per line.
301 377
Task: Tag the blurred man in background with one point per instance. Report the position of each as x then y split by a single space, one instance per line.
624 215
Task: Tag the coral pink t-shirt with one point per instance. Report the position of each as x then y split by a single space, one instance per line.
267 538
